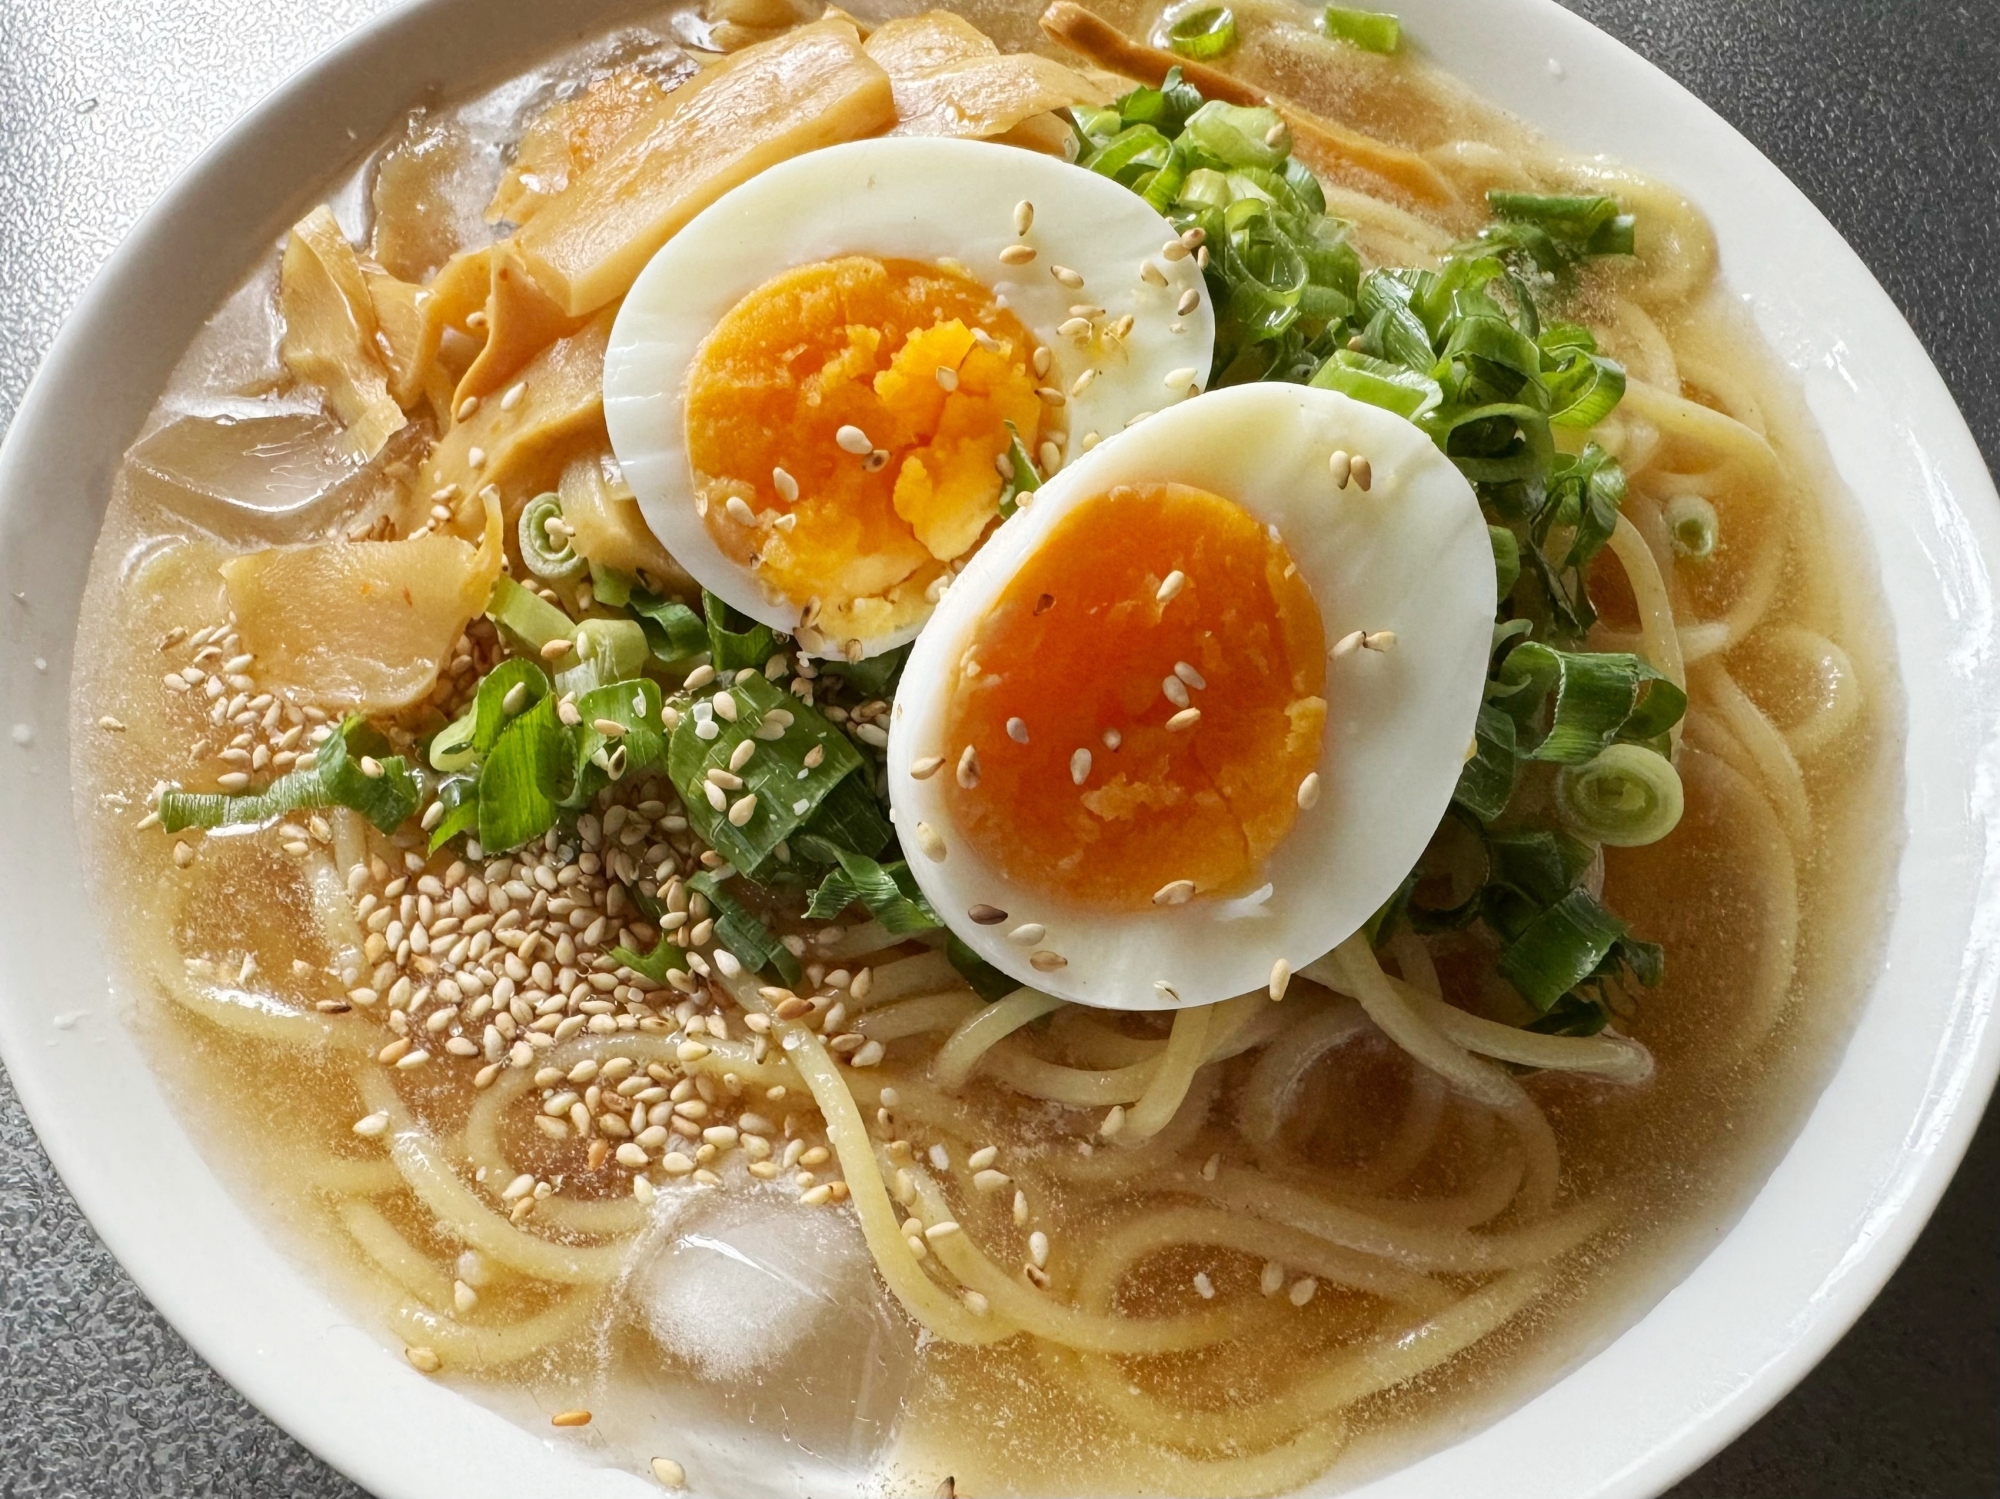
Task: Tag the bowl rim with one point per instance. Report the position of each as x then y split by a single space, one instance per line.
1781 1285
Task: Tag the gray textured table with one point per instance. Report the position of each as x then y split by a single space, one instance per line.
1886 114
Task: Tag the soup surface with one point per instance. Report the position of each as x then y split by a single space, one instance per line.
611 1110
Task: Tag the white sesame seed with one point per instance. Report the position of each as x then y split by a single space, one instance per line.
1203 1286
1077 328
931 842
475 457
944 1228
739 511
1067 277
1040 361
1348 644
1272 1281
1281 978
1187 672
1187 718
371 1125
1180 379
1151 274
1051 457
610 728
1192 238
1017 254
786 485
513 397
725 707
1038 1249
1190 299
1379 640
670 1474
423 1360
852 439
1114 1122
699 678
1050 396
1275 134
1017 730
1170 586
1173 250
1024 216
1079 766
1364 473
1082 382
1173 893
740 756
1302 1290
468 408
1176 691
742 810
1112 739
1309 791
990 1180
1340 466
1028 933
556 649
947 378
1044 961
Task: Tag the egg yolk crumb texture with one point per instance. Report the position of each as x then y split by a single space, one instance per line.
843 423
1130 724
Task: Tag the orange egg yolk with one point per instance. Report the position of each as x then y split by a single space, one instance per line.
923 363
1141 705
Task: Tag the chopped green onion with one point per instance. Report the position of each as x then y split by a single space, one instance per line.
610 586
1691 522
674 632
527 616
545 542
1506 560
506 692
607 650
336 779
529 772
605 753
851 817
1560 948
786 789
1203 33
1022 478
1370 30
1578 224
735 640
1486 784
1596 698
655 965
889 891
1237 135
459 795
875 676
1379 383
1627 796
741 933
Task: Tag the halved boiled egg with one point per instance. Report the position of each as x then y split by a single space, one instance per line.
1197 710
809 386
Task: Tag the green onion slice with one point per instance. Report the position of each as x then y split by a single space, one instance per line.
545 542
336 779
1203 33
1691 521
889 891
1627 797
1370 30
740 932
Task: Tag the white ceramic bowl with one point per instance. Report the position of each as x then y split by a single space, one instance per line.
1779 1288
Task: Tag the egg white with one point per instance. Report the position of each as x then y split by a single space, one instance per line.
1410 555
914 198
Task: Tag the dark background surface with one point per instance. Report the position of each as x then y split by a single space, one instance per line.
1887 115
